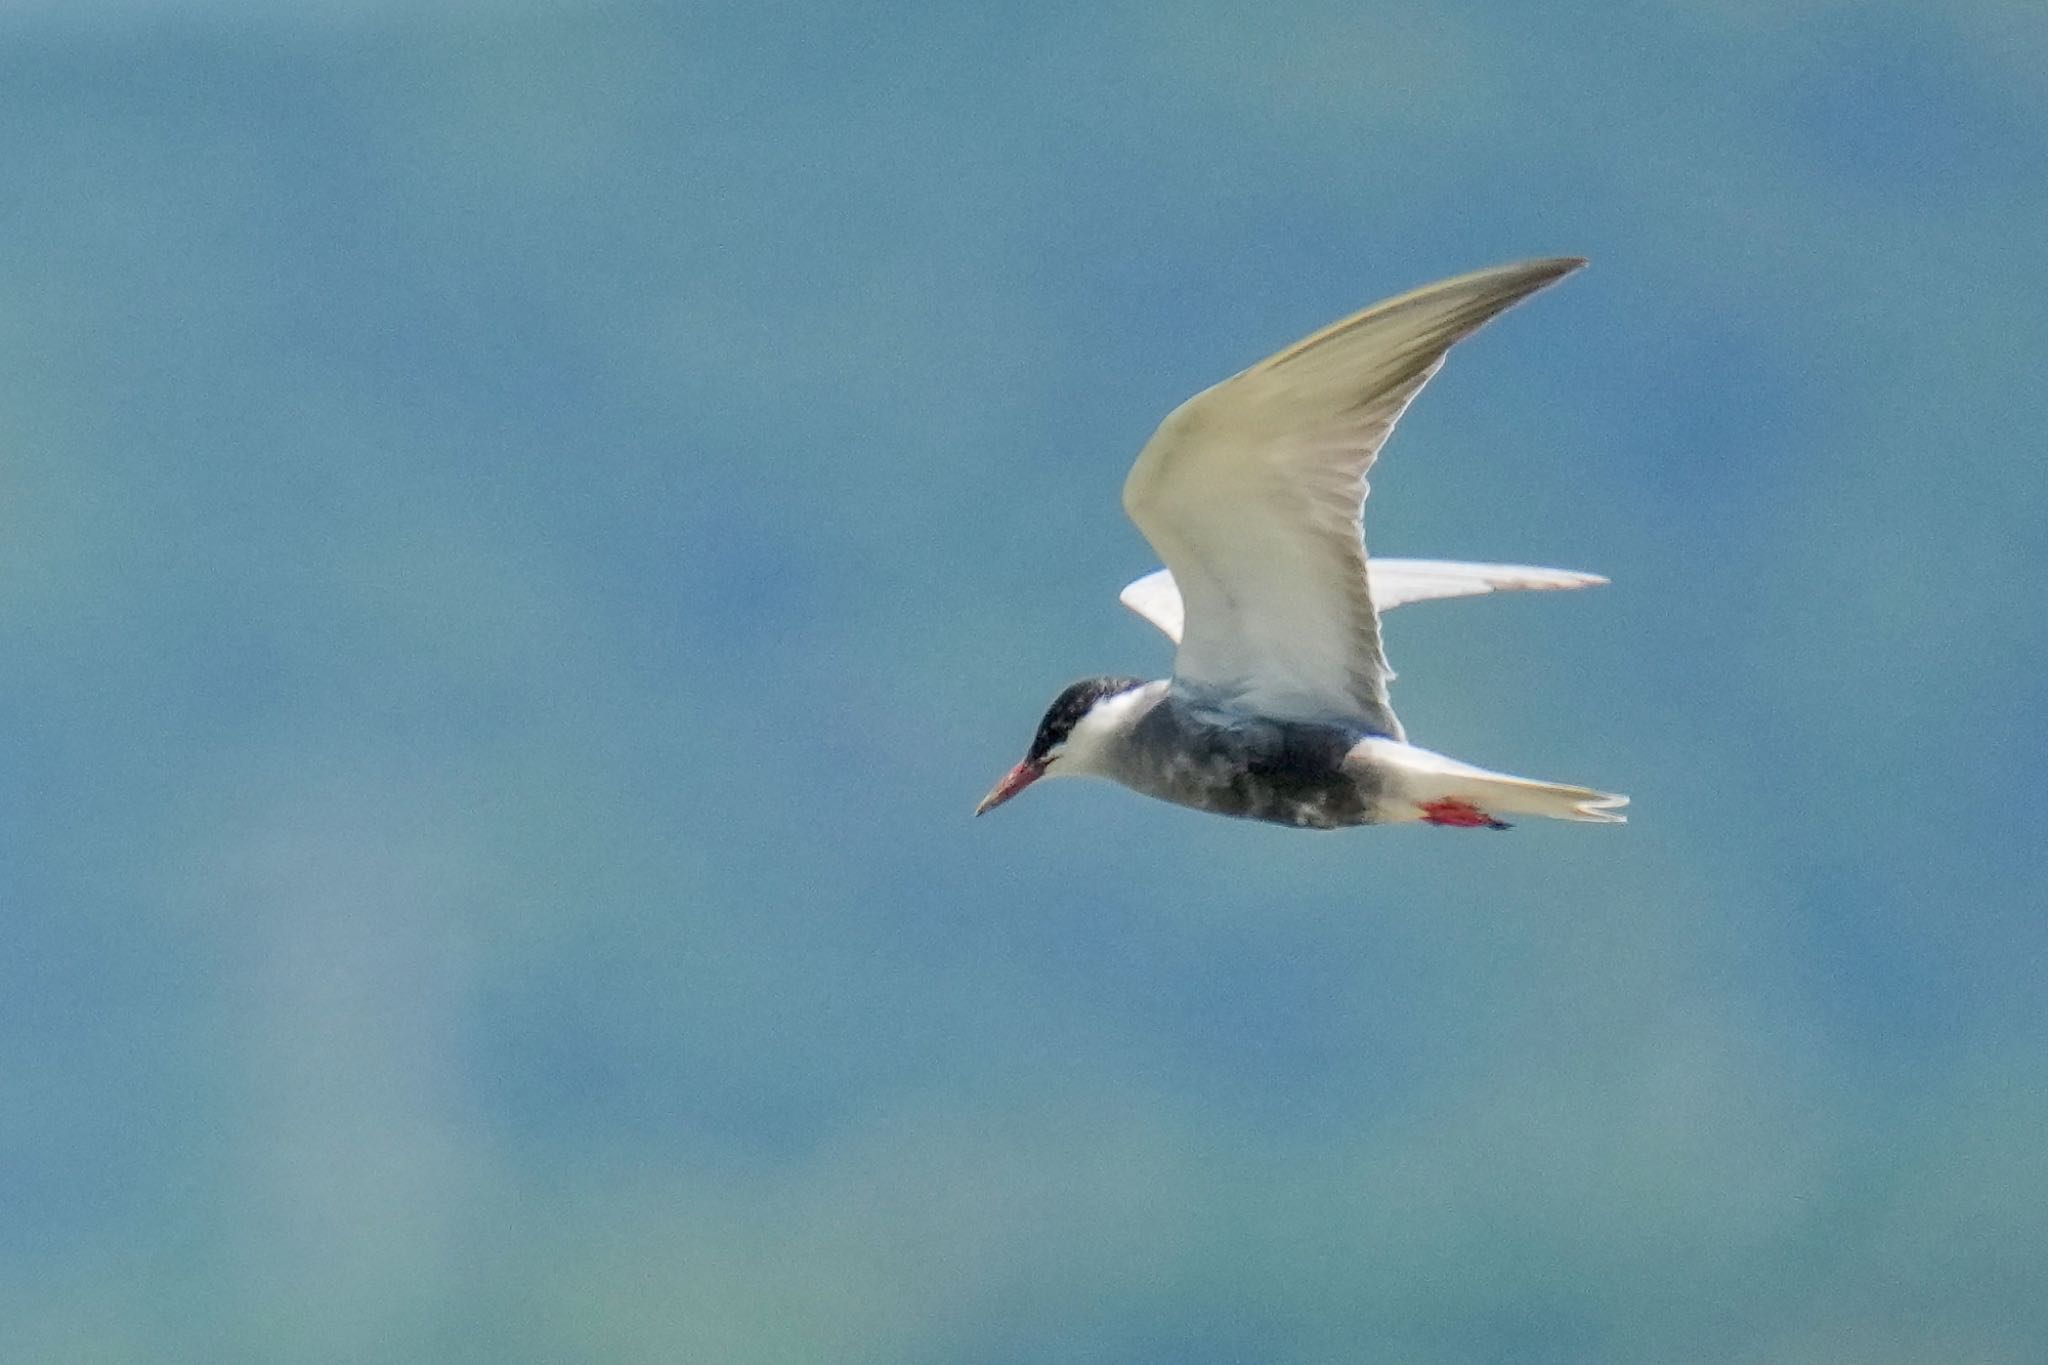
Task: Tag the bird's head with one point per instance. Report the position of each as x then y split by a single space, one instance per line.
1071 740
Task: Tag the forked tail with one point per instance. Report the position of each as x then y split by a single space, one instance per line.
1418 784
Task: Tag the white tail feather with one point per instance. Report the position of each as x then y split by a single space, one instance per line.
1416 780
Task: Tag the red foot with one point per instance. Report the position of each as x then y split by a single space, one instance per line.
1458 814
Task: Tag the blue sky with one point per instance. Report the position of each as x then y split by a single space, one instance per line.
525 529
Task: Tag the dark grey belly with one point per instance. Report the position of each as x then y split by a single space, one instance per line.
1285 772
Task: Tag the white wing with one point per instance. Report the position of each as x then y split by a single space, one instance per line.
1392 583
1252 493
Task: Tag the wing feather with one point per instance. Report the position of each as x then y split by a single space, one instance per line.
1391 582
1252 492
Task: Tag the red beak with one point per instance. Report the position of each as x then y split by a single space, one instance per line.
1016 780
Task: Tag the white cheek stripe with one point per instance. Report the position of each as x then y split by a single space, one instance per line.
1092 740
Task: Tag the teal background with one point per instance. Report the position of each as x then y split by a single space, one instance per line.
525 529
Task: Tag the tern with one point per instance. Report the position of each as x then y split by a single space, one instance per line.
1253 493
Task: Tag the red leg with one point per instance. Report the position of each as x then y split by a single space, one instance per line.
1458 813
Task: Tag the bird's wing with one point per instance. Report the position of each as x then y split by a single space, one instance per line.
1392 583
1156 598
1252 492
1397 582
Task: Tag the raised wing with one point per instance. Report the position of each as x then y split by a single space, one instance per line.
1252 492
1391 582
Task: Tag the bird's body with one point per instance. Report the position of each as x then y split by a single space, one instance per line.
1235 763
1252 491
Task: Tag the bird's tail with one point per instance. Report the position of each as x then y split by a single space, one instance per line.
1417 784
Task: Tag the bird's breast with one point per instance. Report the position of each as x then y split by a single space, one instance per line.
1254 768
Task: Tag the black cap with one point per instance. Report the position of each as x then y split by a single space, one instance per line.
1068 708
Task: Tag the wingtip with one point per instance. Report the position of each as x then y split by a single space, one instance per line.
1551 269
1523 278
1553 580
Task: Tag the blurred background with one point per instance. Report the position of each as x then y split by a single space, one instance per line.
525 528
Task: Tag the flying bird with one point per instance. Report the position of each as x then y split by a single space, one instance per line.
1253 493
